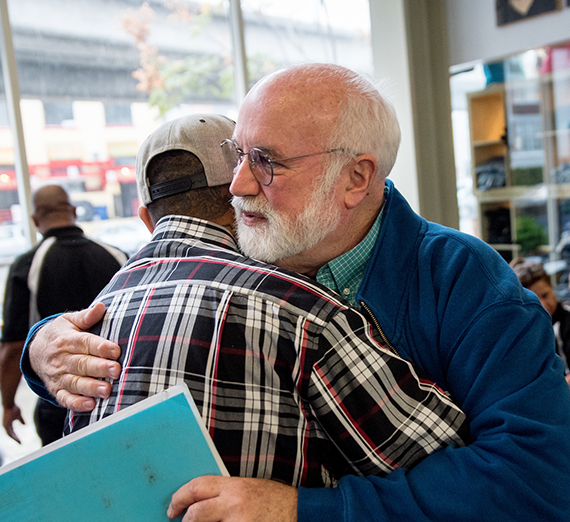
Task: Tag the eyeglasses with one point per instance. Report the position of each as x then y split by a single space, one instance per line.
260 163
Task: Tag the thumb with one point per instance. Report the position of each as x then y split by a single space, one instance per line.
85 319
198 489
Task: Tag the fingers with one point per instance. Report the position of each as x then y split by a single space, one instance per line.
69 340
71 360
67 334
85 319
73 367
99 347
12 434
50 350
197 490
77 392
11 415
233 499
74 402
209 510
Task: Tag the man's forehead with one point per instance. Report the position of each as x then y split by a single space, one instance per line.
274 129
258 128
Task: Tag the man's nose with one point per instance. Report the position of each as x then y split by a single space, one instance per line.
244 182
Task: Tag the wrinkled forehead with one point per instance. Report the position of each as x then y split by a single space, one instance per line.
286 115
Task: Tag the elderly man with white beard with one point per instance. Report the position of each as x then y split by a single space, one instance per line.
441 299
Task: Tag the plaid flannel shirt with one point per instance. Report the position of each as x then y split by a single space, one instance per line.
288 378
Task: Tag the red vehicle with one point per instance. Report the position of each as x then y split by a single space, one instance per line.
100 189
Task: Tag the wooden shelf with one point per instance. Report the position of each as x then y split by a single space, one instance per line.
532 113
553 133
490 143
530 192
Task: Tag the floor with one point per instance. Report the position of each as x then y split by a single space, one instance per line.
11 450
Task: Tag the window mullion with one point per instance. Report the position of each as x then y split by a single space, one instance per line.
12 90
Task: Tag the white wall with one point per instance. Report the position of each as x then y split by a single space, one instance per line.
474 34
390 51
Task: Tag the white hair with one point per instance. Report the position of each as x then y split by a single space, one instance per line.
367 122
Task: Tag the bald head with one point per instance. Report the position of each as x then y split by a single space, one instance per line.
307 97
330 106
52 208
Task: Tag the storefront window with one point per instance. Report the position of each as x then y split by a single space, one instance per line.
519 155
279 33
96 77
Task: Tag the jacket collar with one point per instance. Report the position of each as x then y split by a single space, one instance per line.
71 230
392 264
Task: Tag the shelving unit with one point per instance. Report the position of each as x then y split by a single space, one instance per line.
488 128
520 156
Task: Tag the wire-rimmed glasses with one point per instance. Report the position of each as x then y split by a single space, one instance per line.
260 163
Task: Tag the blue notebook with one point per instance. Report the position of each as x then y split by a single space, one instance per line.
123 468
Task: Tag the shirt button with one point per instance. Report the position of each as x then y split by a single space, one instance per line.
346 291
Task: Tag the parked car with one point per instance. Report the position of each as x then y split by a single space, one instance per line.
13 242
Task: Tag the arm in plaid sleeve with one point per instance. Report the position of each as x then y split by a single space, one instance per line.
372 404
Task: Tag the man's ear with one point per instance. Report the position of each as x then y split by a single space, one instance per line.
362 173
145 218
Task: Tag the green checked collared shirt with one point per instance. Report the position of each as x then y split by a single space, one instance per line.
344 273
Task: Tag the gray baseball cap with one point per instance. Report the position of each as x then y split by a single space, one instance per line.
200 134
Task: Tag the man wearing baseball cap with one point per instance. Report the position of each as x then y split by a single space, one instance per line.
289 380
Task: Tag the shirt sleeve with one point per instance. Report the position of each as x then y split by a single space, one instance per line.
32 378
373 405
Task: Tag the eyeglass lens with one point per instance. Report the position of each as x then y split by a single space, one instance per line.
259 163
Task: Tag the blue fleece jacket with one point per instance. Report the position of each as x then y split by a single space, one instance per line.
451 305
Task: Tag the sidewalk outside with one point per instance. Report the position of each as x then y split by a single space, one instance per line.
11 450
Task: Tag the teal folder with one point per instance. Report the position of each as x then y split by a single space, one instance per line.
123 468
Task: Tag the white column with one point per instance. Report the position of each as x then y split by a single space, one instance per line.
10 72
390 52
241 76
410 46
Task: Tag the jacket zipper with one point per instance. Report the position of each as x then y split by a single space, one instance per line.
385 340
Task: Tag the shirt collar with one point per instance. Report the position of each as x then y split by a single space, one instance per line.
344 273
183 227
62 231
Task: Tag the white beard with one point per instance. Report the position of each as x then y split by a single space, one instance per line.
280 237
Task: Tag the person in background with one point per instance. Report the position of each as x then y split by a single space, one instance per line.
65 271
533 277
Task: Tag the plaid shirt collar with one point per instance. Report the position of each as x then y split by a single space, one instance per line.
183 227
